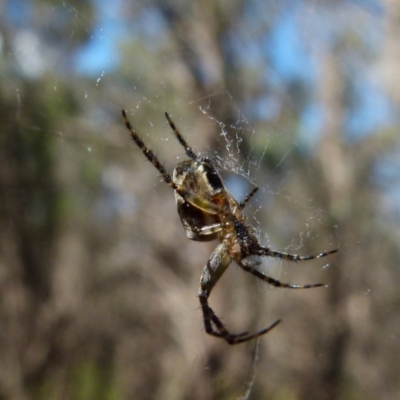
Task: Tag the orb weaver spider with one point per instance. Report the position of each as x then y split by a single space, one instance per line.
208 211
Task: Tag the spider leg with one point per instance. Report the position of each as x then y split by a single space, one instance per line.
165 175
201 203
216 266
215 228
265 251
249 268
149 154
210 317
189 151
247 198
208 230
222 332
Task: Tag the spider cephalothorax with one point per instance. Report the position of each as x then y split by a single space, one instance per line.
208 211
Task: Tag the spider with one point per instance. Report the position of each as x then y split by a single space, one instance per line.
208 211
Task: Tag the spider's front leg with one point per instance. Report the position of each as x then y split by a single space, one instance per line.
216 266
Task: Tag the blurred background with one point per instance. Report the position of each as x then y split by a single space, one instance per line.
98 282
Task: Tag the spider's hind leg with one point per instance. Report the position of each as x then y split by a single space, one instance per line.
265 251
210 317
248 267
216 266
